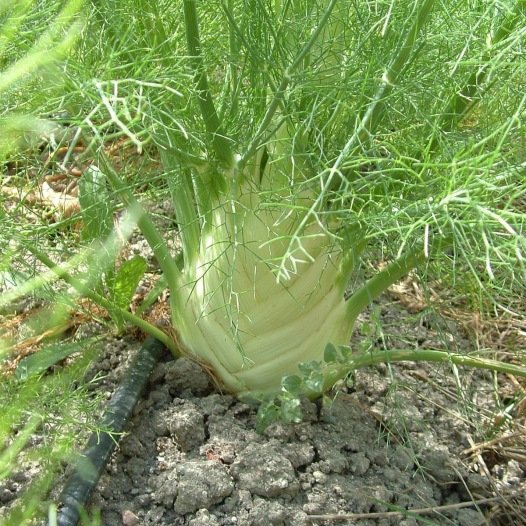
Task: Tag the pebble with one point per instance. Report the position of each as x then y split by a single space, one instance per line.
129 518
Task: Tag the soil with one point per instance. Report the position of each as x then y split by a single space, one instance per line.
395 440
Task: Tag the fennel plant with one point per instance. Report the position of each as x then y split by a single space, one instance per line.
300 139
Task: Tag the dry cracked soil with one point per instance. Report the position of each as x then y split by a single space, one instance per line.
394 441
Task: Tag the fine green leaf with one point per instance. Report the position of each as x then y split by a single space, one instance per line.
313 380
333 354
291 409
268 413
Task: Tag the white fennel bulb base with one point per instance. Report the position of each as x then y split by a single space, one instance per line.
255 308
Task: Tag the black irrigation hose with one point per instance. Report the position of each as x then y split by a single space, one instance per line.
79 487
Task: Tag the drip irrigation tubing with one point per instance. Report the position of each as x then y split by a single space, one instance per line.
80 485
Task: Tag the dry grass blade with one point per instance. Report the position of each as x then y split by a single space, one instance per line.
416 511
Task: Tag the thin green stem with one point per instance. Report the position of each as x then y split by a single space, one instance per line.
84 290
465 99
153 237
220 142
314 37
376 109
368 359
237 34
380 282
278 96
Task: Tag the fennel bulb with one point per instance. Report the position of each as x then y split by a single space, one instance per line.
248 318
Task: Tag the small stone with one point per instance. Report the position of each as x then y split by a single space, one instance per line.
6 495
129 518
319 477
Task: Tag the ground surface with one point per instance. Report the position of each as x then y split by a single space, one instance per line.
407 436
396 440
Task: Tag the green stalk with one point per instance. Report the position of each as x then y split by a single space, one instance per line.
364 360
234 56
375 110
464 100
149 231
39 281
183 201
220 142
368 359
278 96
400 61
84 290
380 282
